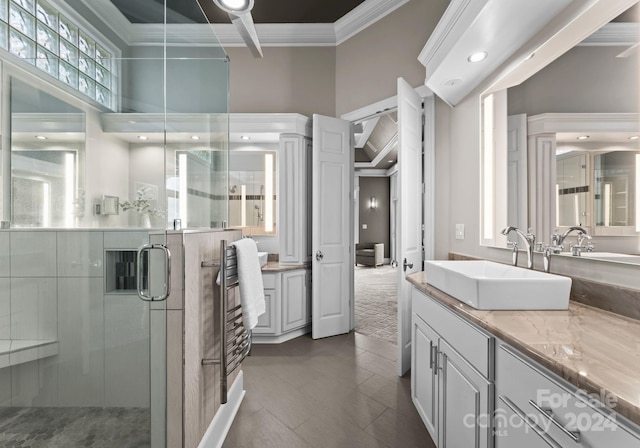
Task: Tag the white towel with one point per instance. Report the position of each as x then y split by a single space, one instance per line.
250 280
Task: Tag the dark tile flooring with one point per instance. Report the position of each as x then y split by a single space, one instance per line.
75 427
339 392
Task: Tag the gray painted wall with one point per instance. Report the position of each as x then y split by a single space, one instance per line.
288 79
585 79
377 220
369 63
332 81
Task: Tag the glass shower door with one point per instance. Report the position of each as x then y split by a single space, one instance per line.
91 170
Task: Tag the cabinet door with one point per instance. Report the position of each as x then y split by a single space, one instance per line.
294 300
424 382
293 198
267 321
465 402
512 429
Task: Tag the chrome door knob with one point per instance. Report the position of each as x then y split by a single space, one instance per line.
319 255
407 264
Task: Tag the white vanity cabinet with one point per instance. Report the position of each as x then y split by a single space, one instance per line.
452 371
288 306
267 322
294 174
296 309
556 412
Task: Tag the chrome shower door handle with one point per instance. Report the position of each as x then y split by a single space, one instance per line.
407 264
319 255
167 285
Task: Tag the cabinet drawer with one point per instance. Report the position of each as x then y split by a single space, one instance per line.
269 281
532 390
514 429
473 343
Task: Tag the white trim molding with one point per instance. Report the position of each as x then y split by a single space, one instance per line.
614 34
288 123
363 16
582 122
269 34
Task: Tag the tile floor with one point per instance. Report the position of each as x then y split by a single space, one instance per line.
75 427
339 392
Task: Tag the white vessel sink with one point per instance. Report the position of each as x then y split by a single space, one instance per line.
486 285
263 257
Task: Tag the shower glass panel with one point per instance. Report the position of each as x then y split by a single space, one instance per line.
94 119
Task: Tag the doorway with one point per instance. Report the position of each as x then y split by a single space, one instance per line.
375 274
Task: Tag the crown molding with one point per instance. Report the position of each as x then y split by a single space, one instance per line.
282 123
281 35
270 34
614 34
363 16
582 122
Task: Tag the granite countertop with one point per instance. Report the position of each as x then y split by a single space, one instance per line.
275 266
595 350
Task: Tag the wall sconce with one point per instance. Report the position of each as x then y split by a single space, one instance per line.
373 203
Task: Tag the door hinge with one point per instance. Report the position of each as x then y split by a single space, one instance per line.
424 188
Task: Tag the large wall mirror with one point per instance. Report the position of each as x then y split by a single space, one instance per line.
47 159
567 141
252 191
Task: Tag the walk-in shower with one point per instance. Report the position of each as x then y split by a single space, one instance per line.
116 125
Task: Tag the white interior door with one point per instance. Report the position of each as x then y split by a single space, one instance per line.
332 263
409 225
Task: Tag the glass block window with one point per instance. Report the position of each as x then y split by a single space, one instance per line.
35 31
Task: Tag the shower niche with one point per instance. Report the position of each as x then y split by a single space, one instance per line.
121 272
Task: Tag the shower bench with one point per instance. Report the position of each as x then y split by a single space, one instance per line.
19 351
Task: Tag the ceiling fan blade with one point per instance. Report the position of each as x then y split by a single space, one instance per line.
243 22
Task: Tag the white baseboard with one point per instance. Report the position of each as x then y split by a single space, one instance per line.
266 339
221 423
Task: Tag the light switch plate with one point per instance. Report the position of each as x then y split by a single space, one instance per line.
364 227
459 231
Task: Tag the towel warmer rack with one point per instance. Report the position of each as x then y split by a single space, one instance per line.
235 339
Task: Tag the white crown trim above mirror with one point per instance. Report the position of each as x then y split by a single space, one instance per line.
544 28
583 122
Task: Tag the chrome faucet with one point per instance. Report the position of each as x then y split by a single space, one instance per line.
557 239
529 240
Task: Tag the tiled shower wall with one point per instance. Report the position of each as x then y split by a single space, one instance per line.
52 287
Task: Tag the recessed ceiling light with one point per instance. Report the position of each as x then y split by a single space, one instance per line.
41 137
583 137
634 137
478 56
132 121
143 137
195 137
245 137
390 161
